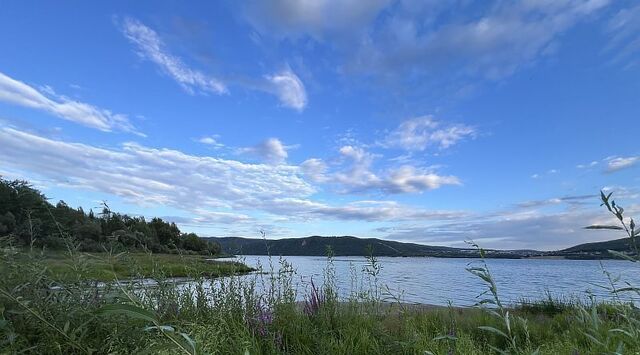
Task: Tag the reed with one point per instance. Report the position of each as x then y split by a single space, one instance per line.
60 307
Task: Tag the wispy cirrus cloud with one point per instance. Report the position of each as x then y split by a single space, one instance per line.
150 46
420 133
587 165
547 224
624 29
319 19
520 229
211 141
19 93
370 211
533 230
612 164
569 200
141 174
285 84
213 190
504 38
547 173
619 163
394 38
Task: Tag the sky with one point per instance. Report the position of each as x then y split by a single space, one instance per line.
421 121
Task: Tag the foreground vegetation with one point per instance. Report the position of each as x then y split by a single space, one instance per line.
259 315
42 312
127 265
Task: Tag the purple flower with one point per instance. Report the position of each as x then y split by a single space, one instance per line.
314 300
262 318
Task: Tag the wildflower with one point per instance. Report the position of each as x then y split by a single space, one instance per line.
314 301
262 319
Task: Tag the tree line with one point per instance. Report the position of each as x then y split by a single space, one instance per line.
29 218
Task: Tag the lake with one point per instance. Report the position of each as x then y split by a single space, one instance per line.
439 280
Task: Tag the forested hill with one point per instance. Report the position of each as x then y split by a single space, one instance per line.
353 246
348 246
623 244
28 218
317 245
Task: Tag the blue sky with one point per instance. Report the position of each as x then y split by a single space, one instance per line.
420 121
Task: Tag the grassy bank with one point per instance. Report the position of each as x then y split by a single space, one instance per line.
48 307
260 314
107 267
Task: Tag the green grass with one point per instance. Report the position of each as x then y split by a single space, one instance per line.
106 267
51 303
235 318
48 306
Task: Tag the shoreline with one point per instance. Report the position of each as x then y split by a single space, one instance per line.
537 257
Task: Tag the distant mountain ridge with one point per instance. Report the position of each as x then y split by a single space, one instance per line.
317 246
349 246
354 246
623 244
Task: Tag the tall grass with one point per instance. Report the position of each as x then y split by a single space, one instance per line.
43 311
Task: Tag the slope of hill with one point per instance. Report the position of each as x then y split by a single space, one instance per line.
353 246
349 246
596 250
623 244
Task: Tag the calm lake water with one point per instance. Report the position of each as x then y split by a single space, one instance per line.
439 280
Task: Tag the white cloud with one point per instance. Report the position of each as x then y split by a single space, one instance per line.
370 211
622 192
390 38
619 163
589 165
358 177
613 163
524 231
408 179
18 93
529 229
151 47
356 174
624 29
574 201
204 217
213 190
270 150
140 174
314 169
548 224
317 18
548 173
289 89
502 38
417 134
211 141
284 84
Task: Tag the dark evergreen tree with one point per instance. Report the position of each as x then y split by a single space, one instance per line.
27 216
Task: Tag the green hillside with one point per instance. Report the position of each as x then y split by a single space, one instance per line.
353 246
349 246
623 244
